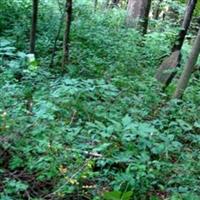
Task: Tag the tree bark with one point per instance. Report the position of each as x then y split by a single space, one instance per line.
56 39
184 79
162 75
66 38
138 13
157 10
185 25
95 4
166 72
34 25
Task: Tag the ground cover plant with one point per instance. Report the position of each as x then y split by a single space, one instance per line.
102 128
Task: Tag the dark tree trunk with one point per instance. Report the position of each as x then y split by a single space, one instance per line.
166 72
184 79
66 38
163 75
56 40
95 4
185 25
157 10
34 26
138 14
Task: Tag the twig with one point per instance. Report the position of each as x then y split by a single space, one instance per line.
75 174
92 154
73 117
57 37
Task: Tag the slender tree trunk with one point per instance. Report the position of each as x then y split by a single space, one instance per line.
173 61
56 40
66 38
185 25
95 4
184 79
34 25
157 10
138 13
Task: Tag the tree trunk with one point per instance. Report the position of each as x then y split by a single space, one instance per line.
95 4
185 25
138 13
34 26
157 11
56 40
166 72
184 79
66 38
115 3
162 75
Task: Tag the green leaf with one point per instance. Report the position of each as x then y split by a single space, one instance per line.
4 42
117 195
197 124
158 149
127 195
126 120
102 147
16 162
112 195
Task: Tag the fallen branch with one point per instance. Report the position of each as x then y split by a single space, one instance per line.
91 154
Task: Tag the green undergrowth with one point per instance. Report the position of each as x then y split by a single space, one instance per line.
104 130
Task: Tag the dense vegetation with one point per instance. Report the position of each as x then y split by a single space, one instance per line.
103 129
